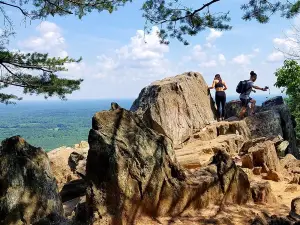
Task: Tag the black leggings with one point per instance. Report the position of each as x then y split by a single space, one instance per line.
220 100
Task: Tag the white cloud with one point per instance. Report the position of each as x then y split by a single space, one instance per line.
275 57
209 45
198 54
285 43
50 40
222 59
143 57
75 70
242 59
256 50
213 35
210 63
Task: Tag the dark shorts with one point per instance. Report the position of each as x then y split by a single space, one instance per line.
245 102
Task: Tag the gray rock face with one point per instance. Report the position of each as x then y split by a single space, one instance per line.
278 100
28 190
77 163
265 124
73 189
132 169
287 127
176 107
295 208
273 118
233 108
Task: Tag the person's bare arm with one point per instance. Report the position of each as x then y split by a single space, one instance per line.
225 86
259 88
212 86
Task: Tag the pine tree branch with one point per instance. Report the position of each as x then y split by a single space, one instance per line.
13 84
15 75
89 4
28 66
58 7
186 16
15 6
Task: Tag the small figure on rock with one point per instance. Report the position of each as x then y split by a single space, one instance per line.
220 96
245 88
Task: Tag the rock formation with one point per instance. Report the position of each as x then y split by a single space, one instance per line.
133 170
225 136
28 190
262 192
68 163
271 119
176 107
260 154
166 159
295 208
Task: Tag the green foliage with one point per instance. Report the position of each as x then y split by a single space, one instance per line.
175 19
288 78
19 69
34 72
181 20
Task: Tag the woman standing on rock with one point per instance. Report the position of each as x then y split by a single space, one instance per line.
220 97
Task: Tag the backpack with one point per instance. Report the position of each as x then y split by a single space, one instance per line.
242 87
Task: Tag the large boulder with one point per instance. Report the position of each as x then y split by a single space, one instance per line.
295 208
132 170
271 119
28 190
260 153
292 168
73 189
262 193
233 109
176 107
287 123
77 163
265 124
278 100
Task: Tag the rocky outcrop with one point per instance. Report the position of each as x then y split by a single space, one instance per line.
278 100
287 125
295 208
260 153
68 163
271 119
274 121
292 168
262 193
54 219
73 189
176 107
77 163
28 190
132 170
225 136
233 108
265 124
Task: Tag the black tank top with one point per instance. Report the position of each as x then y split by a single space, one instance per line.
219 84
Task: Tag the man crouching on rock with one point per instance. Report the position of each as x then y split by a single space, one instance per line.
245 95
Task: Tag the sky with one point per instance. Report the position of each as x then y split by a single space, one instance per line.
118 63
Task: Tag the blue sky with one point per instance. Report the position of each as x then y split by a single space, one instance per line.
118 64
